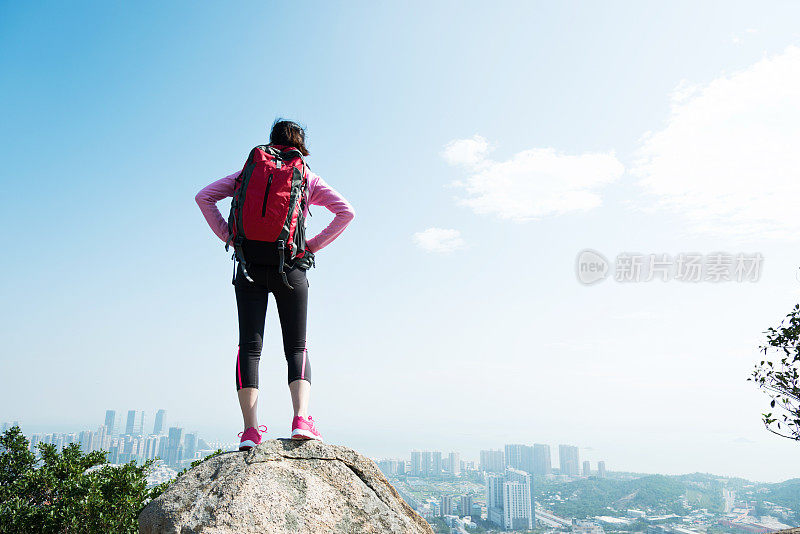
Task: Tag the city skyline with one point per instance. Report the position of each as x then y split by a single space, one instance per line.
544 454
509 477
631 129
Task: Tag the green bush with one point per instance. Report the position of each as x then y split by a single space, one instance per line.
56 494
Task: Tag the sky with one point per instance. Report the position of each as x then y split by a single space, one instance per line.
483 147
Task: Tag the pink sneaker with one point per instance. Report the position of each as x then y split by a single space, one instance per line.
251 437
304 428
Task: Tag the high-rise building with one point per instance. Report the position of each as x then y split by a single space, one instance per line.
492 461
454 463
436 463
392 467
111 416
113 452
601 469
465 505
513 455
568 460
130 422
35 440
101 438
494 490
519 457
174 446
519 499
190 446
541 459
151 446
141 422
446 505
516 506
162 448
416 463
86 438
587 468
509 498
160 423
427 461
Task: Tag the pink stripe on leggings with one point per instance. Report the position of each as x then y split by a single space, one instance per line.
238 369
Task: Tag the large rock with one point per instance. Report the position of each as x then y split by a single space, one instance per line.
282 486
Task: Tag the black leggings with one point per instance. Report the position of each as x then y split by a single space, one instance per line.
251 301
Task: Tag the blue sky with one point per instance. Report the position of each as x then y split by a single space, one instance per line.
669 130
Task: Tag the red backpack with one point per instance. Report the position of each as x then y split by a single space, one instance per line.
267 221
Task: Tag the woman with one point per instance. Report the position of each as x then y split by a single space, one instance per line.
291 299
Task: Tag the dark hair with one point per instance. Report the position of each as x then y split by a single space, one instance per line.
288 133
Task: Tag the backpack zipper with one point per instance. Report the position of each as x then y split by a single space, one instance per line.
266 194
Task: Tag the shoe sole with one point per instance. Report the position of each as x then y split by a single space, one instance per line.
246 445
299 433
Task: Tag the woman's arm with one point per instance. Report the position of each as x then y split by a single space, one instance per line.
207 199
324 195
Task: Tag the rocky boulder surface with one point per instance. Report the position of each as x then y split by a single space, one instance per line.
282 486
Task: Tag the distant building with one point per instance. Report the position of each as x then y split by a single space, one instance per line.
494 490
416 463
160 423
509 499
541 459
519 457
151 446
454 463
518 505
568 459
427 460
492 461
190 446
111 421
113 453
174 446
84 438
513 455
436 464
446 505
140 424
392 467
587 468
601 469
465 505
130 422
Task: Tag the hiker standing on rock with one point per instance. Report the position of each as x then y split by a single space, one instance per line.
266 230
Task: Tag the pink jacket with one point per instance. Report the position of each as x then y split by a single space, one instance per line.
320 194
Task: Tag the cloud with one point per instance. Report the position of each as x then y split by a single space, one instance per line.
532 184
467 152
728 158
442 240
